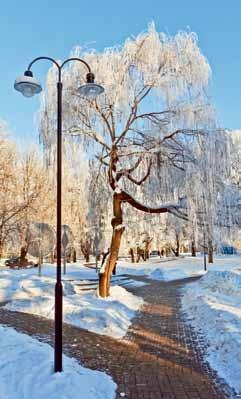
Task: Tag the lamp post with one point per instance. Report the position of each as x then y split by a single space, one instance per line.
204 250
204 233
29 86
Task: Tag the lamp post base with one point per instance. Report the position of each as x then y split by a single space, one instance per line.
58 327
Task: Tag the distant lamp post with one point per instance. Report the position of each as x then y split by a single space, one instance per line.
204 250
65 242
204 235
29 86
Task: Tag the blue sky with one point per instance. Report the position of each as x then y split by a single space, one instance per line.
30 28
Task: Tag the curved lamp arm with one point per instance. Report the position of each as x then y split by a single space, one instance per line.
76 59
62 65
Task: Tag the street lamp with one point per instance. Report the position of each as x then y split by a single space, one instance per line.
29 86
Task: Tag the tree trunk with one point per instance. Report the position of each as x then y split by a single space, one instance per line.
87 257
110 263
147 248
138 256
52 257
1 249
193 248
210 251
119 197
132 255
74 257
177 252
114 270
86 248
23 253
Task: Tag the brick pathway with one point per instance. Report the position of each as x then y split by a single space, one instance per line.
160 357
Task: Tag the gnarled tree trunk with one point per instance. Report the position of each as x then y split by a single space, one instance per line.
118 229
109 265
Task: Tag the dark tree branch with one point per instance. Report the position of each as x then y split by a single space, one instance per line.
173 209
139 182
102 160
124 172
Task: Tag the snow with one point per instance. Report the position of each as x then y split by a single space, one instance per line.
216 298
164 269
36 379
26 292
168 269
111 316
120 227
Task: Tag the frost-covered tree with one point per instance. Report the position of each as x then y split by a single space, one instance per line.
153 107
10 208
75 190
22 187
206 181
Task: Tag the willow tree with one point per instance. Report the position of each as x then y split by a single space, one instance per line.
153 106
209 191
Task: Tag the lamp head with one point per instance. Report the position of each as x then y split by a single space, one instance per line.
90 89
27 84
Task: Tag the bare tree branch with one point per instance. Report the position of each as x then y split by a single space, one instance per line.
123 172
168 208
139 182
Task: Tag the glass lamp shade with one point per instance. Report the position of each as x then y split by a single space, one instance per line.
90 90
27 85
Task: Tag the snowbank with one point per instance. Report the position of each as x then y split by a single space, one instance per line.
216 299
26 372
173 274
26 292
111 316
167 269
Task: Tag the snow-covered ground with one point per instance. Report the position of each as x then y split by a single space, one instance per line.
26 292
26 372
215 298
167 269
213 306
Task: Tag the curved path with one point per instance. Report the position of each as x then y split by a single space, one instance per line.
160 357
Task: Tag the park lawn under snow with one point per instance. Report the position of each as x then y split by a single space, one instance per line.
26 292
26 372
213 306
168 269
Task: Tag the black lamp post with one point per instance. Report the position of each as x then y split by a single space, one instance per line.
29 86
204 250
